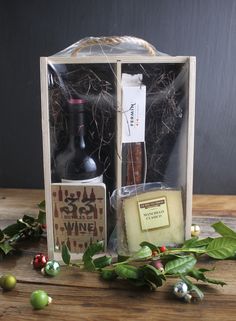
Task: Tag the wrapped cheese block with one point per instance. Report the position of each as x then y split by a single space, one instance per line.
155 216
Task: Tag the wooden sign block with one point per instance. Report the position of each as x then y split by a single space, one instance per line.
79 216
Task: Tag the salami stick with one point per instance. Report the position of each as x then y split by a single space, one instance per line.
134 164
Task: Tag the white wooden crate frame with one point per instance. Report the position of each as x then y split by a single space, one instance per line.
187 175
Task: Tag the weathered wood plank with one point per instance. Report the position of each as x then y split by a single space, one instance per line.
90 304
84 296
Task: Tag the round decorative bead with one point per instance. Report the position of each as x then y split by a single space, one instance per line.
52 268
39 299
39 261
195 230
180 289
7 282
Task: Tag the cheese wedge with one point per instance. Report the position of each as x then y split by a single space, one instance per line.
154 216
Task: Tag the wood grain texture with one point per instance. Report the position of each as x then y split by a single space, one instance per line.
84 296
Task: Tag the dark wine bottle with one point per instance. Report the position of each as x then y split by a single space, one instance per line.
78 163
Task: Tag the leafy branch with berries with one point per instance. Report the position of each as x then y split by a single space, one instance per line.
152 265
26 227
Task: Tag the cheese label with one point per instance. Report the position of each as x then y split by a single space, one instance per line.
153 213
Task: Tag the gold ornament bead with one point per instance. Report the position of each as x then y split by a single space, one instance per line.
195 230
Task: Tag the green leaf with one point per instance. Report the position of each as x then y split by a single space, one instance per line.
223 229
126 271
192 287
65 254
144 253
108 273
89 265
150 245
190 243
102 261
1 235
122 258
196 243
218 282
28 219
41 217
180 265
41 206
153 275
198 274
203 242
13 229
6 247
93 249
222 248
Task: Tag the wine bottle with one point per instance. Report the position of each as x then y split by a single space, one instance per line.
60 197
78 163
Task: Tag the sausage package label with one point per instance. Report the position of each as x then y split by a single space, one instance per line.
133 108
154 216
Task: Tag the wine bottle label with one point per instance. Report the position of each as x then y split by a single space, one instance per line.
133 108
98 179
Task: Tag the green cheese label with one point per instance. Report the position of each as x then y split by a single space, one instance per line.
153 213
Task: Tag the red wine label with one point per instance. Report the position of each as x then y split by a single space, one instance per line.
79 215
133 108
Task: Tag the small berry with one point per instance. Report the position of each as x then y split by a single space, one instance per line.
8 282
39 299
158 265
162 248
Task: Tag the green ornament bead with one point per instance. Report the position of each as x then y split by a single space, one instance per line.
52 268
8 282
39 299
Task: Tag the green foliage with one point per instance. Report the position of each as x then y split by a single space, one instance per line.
199 274
153 247
108 273
192 287
24 228
139 270
180 265
65 253
143 253
126 271
222 247
93 249
102 261
223 229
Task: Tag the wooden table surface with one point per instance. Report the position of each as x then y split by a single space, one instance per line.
83 296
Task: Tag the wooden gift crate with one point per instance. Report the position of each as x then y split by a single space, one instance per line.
180 163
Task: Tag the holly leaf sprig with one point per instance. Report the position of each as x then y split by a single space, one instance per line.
24 228
140 269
